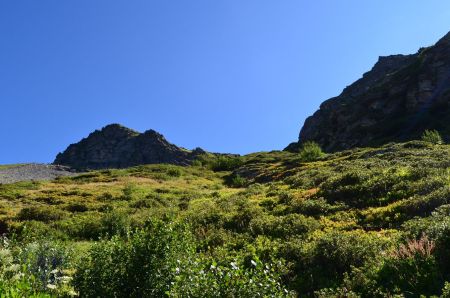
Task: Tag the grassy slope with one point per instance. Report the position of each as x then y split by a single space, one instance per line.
289 210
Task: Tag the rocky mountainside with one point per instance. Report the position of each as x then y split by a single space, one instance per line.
395 101
116 146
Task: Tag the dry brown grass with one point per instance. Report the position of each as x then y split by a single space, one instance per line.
423 247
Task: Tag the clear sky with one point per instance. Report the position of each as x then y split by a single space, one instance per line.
226 75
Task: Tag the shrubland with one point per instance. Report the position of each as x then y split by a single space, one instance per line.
370 222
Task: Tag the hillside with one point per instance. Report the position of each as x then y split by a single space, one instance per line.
362 222
116 146
399 98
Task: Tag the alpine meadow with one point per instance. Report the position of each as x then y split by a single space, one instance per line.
357 206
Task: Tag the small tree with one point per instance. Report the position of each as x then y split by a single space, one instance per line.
310 151
432 136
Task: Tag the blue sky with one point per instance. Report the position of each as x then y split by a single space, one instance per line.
226 75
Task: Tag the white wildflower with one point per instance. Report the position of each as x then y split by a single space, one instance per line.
51 287
234 266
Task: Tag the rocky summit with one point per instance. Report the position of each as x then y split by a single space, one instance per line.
397 100
116 146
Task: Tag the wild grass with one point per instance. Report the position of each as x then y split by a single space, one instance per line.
339 221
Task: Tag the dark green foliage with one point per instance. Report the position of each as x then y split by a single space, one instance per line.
225 163
77 207
147 261
44 214
310 151
411 271
283 226
35 270
446 290
368 188
413 275
159 260
333 227
323 264
174 172
433 137
227 278
235 180
129 192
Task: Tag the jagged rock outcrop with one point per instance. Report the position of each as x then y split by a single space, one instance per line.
116 146
395 101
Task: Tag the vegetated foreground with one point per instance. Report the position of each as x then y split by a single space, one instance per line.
364 222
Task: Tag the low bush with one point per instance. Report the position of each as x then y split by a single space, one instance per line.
236 180
225 163
432 136
147 261
44 214
283 226
310 151
35 270
77 207
323 264
206 277
409 271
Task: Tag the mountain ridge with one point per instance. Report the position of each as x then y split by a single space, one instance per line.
399 98
116 146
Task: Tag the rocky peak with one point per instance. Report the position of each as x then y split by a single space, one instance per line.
117 129
113 133
400 97
116 146
444 41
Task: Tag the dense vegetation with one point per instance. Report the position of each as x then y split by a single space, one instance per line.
370 222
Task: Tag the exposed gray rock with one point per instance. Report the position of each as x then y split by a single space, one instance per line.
116 146
27 172
395 101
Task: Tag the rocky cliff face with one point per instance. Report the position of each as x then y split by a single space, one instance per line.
395 101
116 146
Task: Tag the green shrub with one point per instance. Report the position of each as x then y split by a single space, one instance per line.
236 180
313 207
283 226
446 290
141 265
115 222
409 271
323 263
416 272
361 187
227 278
226 163
45 214
77 207
432 136
46 262
84 227
174 172
34 270
129 192
310 151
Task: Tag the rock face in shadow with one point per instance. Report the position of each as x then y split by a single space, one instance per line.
116 146
395 101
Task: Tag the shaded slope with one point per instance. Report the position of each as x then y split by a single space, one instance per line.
396 101
116 146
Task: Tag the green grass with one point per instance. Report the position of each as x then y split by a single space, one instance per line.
336 224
